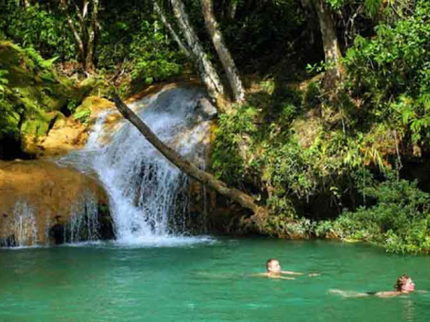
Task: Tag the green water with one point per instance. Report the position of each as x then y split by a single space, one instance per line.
208 281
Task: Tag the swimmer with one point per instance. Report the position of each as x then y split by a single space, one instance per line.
404 285
274 270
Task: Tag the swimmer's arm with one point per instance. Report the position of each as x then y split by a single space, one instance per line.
282 277
388 294
348 293
291 273
273 276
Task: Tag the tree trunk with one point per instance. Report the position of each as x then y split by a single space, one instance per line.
25 4
223 52
188 168
86 36
81 18
331 45
76 36
232 9
207 71
169 27
89 59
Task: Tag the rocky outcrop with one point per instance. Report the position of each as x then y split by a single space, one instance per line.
33 97
42 203
64 135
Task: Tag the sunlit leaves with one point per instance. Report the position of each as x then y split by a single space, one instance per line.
3 81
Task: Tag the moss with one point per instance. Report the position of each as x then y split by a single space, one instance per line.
36 82
90 107
35 94
39 123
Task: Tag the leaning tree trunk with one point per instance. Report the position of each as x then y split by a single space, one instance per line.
207 71
188 168
331 45
223 52
169 27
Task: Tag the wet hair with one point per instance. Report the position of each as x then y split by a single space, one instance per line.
269 262
401 281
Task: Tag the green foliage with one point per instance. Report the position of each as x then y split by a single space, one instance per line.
38 26
8 119
286 227
30 88
233 129
285 158
391 74
152 58
371 7
129 38
82 115
285 155
134 41
253 37
3 81
398 220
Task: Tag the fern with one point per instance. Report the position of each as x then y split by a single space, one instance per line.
372 7
38 59
3 81
82 116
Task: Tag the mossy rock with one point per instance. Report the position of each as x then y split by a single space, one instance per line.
94 86
40 123
34 80
90 108
35 93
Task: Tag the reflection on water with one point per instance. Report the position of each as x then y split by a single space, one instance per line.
408 310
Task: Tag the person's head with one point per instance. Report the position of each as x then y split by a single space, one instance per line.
273 266
404 284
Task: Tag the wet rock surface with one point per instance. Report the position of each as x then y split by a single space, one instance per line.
42 203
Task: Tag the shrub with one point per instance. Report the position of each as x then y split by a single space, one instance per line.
399 219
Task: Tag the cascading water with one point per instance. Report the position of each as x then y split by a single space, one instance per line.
83 223
24 225
146 191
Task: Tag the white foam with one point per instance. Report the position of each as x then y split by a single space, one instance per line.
146 242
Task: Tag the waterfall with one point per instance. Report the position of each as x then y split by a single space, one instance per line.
24 225
83 224
148 195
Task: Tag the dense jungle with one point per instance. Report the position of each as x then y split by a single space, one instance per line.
161 159
323 106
